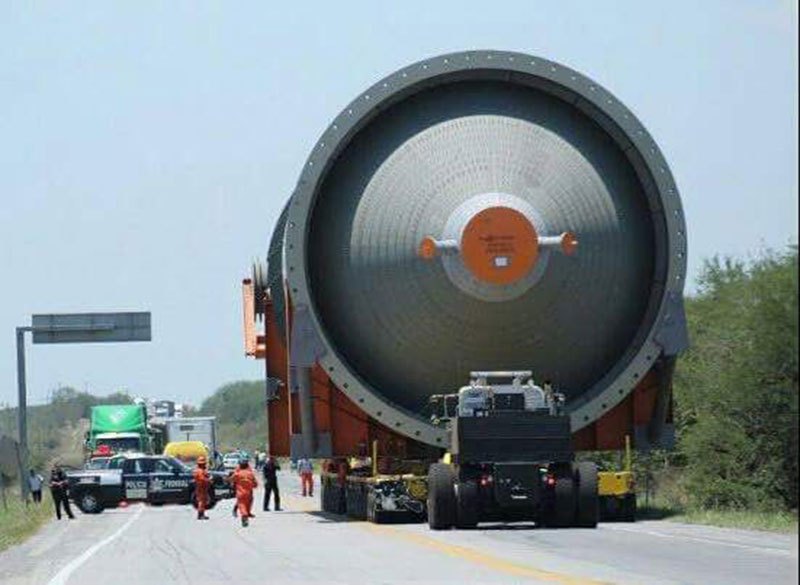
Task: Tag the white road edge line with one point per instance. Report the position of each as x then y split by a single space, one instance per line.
761 549
64 574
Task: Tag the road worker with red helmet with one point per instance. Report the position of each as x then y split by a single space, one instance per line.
202 485
244 480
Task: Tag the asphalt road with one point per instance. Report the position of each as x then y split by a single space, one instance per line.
144 545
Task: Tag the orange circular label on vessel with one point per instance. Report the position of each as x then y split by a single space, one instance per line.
499 245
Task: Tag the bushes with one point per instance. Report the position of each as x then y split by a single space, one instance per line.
237 402
736 389
18 521
240 409
53 429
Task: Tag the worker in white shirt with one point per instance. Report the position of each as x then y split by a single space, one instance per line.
35 482
306 470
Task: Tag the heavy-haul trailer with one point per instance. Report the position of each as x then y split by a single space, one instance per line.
357 488
485 212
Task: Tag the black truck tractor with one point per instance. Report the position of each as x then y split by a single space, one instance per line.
511 458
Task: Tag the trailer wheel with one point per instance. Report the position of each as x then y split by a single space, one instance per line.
329 496
467 512
585 473
337 499
349 501
628 508
373 514
356 501
325 496
362 503
88 502
441 497
371 506
562 510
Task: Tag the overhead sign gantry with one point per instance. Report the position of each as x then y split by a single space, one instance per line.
71 328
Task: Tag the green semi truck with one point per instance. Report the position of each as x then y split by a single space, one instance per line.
120 427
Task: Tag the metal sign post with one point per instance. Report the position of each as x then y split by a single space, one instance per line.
22 413
70 328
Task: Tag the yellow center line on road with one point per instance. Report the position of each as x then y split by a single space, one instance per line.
463 552
481 558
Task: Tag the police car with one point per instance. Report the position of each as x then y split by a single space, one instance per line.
155 479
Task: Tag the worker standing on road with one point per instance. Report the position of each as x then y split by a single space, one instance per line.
270 470
202 483
59 490
35 482
229 481
306 470
245 482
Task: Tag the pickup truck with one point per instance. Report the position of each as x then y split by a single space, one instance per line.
154 479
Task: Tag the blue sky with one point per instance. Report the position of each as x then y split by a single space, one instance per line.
146 148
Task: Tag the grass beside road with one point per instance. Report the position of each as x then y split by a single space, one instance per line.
19 521
770 521
785 522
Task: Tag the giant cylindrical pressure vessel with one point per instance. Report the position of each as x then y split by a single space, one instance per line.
483 211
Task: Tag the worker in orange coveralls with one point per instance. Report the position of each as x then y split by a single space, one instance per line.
245 482
202 483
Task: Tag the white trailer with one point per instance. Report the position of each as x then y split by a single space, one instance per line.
196 428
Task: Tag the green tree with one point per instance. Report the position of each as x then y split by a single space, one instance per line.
236 402
737 387
52 427
241 415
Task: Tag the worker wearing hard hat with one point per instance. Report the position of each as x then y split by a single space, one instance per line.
202 484
244 480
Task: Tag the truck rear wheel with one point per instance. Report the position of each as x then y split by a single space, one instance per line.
467 512
441 497
88 502
562 512
585 474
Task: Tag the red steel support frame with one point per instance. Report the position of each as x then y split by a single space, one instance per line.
352 431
